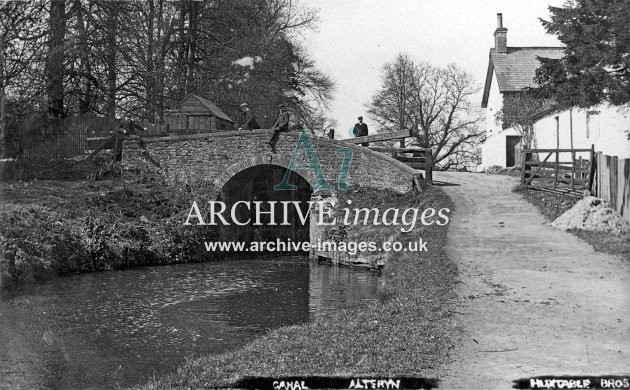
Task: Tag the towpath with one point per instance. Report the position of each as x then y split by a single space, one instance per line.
532 300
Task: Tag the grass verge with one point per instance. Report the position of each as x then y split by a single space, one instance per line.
55 227
407 333
553 205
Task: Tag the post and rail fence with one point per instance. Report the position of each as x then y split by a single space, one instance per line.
415 157
563 171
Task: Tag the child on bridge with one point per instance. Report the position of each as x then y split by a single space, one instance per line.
250 119
281 126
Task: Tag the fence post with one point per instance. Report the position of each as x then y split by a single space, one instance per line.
429 165
523 167
624 187
555 176
592 171
614 179
572 170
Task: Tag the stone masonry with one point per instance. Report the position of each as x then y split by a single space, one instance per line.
215 158
208 161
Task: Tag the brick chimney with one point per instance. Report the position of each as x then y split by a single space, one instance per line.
500 36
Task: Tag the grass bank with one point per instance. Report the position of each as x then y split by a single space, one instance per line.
57 227
553 205
407 333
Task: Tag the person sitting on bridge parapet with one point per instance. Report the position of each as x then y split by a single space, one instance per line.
281 126
360 130
130 128
250 119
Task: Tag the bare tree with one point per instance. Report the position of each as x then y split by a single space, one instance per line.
390 106
139 58
256 59
435 105
310 90
55 66
20 37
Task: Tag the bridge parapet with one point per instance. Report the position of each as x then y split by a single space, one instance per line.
214 158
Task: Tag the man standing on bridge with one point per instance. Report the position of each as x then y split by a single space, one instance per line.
360 130
250 119
281 126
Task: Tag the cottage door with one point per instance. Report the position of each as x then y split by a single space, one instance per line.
511 142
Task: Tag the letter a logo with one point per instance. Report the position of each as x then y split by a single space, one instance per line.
313 165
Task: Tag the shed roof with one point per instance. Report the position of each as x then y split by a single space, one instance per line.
516 69
213 108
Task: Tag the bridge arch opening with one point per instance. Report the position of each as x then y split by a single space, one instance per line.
256 183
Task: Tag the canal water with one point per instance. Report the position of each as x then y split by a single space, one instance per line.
117 329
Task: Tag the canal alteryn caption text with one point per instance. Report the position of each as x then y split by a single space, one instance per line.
354 384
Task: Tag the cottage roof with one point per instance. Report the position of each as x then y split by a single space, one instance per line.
213 108
516 69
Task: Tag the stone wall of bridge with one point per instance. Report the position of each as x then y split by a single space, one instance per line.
215 158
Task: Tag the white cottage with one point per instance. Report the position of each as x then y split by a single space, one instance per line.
605 126
510 70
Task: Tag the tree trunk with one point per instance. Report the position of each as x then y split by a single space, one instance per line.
426 143
191 41
404 94
162 38
57 25
110 36
149 108
527 136
3 134
84 55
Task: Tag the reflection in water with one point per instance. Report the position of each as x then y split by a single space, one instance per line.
112 329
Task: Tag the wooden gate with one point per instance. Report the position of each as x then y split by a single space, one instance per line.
558 169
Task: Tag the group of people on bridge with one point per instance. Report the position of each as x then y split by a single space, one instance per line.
129 129
282 125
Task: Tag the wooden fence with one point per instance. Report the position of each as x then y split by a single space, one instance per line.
35 137
415 157
564 171
612 182
46 139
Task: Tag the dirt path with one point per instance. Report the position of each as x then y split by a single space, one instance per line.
532 300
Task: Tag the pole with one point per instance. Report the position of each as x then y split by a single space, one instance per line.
571 125
557 132
555 177
592 172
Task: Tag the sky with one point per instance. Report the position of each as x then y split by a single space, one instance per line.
355 38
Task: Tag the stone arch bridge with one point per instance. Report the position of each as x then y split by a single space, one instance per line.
214 158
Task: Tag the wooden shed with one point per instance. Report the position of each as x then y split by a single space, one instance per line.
195 114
